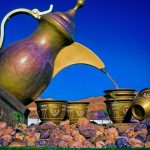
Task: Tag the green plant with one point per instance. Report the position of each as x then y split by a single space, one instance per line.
18 117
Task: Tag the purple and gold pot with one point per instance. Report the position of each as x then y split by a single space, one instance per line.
27 66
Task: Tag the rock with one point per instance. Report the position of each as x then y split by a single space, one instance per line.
87 131
45 134
63 123
32 128
148 138
83 121
75 144
113 145
56 135
87 144
111 135
31 141
36 135
99 130
5 143
142 137
121 142
20 136
67 138
52 143
75 133
80 138
73 126
130 132
97 138
100 144
68 130
41 143
135 143
63 144
144 131
147 145
8 131
3 125
18 143
146 122
7 138
140 126
47 125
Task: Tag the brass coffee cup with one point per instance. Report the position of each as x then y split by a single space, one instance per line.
51 110
119 111
141 105
118 103
76 110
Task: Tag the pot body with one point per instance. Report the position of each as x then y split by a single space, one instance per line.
118 103
141 105
50 110
76 110
26 66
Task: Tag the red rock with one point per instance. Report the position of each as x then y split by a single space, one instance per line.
97 138
17 144
80 138
67 138
100 144
63 144
63 123
87 144
31 141
83 121
47 125
130 132
56 135
19 136
32 128
111 135
8 131
7 138
3 125
135 143
147 145
75 144
87 131
144 131
75 133
36 135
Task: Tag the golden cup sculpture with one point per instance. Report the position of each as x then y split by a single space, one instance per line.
51 110
76 110
118 103
141 105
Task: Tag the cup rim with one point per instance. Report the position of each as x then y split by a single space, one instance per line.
120 89
47 100
78 102
110 101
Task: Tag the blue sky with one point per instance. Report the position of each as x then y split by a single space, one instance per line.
118 31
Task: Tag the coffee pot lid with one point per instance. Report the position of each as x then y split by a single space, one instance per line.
64 21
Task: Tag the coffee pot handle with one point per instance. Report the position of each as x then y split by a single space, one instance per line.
35 13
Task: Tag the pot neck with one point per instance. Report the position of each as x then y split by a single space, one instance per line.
48 38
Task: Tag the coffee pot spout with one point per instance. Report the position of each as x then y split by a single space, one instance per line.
76 54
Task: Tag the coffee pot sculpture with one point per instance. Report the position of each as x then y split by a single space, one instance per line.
27 66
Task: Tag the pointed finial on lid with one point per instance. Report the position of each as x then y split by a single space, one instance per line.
79 4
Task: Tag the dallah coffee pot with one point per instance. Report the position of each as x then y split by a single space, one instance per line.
27 66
